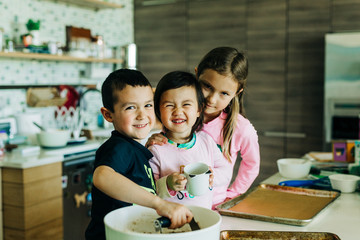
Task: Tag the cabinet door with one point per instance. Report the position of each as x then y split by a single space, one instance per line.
214 24
345 15
265 98
160 34
308 24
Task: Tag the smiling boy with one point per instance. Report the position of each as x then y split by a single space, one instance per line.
122 174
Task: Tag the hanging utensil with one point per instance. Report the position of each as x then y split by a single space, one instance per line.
78 123
60 118
70 119
41 127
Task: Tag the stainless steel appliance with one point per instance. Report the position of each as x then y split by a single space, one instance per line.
77 180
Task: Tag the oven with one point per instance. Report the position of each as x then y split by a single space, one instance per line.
342 120
77 181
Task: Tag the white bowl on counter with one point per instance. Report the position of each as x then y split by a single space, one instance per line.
53 138
136 223
294 168
344 182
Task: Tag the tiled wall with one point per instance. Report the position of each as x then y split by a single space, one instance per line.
115 25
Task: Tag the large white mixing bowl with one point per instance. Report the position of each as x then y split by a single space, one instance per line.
118 224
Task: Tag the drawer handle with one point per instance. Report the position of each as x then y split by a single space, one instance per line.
284 134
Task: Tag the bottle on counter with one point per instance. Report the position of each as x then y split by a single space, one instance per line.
9 44
16 38
99 46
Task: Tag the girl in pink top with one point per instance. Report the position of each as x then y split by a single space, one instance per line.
179 104
222 74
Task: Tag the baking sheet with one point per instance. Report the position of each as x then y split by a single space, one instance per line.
279 204
270 235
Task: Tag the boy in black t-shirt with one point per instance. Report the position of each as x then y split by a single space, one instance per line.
122 174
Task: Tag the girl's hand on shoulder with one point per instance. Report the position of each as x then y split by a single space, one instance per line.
176 181
177 213
156 139
211 178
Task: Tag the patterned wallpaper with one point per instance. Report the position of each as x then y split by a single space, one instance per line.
115 25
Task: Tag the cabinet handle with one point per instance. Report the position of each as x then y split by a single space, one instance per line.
284 134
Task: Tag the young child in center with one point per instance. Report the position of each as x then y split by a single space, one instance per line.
222 74
122 174
179 107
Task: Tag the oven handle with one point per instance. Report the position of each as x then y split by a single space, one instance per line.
79 161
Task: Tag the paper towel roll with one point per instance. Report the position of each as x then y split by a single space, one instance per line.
26 127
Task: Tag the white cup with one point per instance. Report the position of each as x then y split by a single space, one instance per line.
197 175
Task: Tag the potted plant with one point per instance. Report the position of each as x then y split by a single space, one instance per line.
33 28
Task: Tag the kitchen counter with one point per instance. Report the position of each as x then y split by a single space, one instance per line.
341 217
16 159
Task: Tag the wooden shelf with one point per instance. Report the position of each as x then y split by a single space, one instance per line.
94 4
49 57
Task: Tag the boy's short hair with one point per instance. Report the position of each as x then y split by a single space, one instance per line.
118 80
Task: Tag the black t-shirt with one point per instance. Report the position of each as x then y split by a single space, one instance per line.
130 159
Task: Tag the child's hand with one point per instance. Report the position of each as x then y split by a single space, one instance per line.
177 213
176 181
156 139
211 178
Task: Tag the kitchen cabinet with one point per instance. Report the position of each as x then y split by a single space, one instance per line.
221 23
265 99
32 202
161 48
308 22
345 16
176 44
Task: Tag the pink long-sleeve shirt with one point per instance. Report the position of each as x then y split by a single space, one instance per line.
168 158
245 141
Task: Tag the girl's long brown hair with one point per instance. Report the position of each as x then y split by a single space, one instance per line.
228 61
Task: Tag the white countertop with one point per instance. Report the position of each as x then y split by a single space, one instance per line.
341 217
45 156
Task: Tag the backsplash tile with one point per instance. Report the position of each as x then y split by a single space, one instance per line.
12 101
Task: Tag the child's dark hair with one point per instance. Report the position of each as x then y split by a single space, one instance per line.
228 61
178 79
118 80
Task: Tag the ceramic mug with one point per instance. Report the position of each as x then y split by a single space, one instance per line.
197 175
